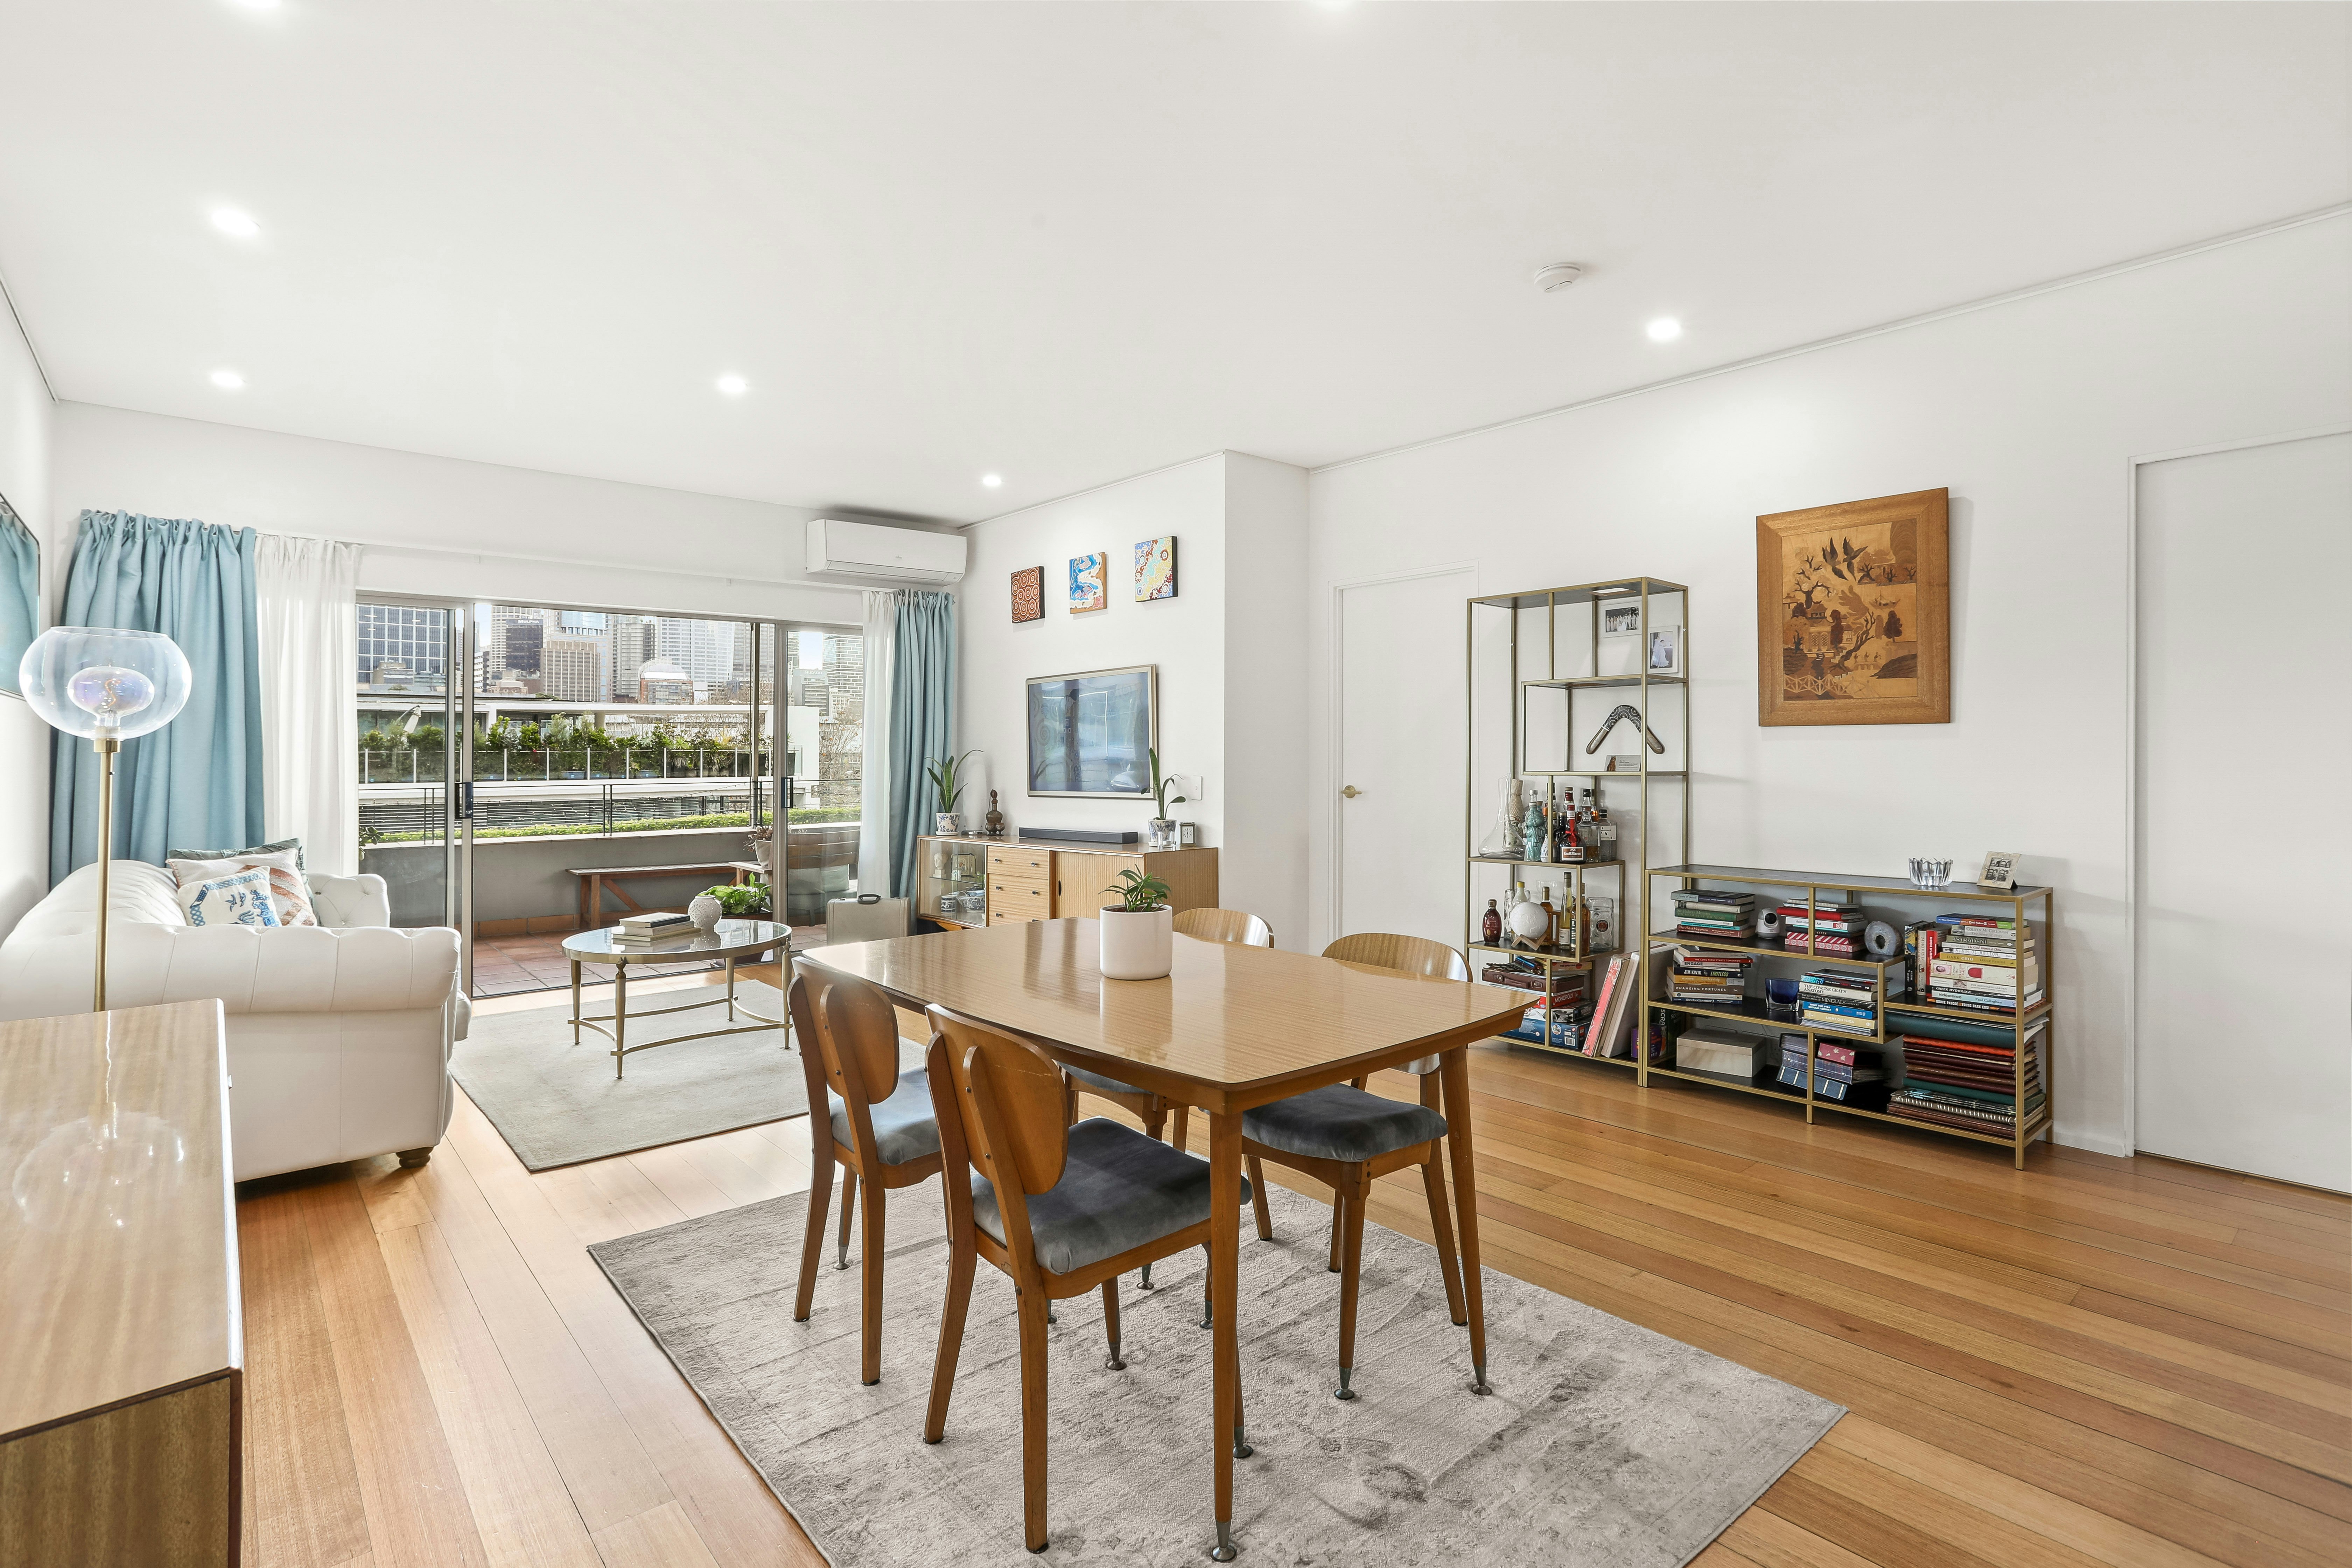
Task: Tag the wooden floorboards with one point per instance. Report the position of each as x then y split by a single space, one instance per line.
2091 1362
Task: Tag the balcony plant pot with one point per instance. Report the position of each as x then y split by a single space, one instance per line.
1137 944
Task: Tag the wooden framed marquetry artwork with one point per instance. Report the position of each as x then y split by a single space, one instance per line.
1853 613
1029 594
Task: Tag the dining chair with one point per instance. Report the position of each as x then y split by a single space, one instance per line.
1347 1139
848 1034
1062 1210
1154 1110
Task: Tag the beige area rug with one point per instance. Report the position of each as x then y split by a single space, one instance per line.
1602 1443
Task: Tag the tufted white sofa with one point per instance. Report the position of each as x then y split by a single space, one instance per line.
339 1034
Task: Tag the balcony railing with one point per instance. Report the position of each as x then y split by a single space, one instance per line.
554 764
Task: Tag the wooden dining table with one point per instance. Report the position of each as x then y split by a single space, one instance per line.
1230 1027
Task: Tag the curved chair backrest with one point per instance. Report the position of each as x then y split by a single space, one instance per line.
1226 925
1409 955
833 1018
1011 1102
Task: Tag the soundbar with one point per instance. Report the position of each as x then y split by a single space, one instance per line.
1082 835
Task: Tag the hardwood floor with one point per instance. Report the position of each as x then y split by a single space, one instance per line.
2093 1361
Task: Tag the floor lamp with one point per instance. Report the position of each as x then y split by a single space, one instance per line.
108 686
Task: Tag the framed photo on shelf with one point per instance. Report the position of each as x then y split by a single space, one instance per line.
1620 618
1665 651
1853 613
1999 869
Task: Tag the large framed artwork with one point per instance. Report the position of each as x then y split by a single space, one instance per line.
1853 613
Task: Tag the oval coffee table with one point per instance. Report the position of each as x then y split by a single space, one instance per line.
729 941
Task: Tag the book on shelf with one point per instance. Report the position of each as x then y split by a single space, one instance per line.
1559 983
1844 1091
1613 1014
1561 1029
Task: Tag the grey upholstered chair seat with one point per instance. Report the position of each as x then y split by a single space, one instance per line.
904 1128
1097 1081
1118 1190
1341 1123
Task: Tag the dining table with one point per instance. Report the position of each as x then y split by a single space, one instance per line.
1228 1028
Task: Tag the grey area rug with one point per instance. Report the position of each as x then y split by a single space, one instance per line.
557 1104
1602 1443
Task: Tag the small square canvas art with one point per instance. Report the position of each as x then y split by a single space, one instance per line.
1089 583
1155 569
1029 594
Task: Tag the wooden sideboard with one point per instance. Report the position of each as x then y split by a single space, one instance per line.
1030 880
121 1373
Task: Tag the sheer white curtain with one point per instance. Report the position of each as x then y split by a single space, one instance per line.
305 596
874 791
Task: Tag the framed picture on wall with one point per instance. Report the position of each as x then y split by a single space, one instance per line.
1620 618
1155 569
1665 651
1853 613
1089 586
1029 594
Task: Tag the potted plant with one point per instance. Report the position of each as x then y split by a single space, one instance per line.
738 902
944 780
1163 830
1138 933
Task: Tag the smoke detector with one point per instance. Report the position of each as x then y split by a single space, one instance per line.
1559 275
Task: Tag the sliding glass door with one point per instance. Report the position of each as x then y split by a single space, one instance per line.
416 794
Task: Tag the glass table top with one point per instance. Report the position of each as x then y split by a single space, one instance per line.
728 939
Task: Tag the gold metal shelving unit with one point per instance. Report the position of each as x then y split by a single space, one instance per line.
1570 693
2039 1018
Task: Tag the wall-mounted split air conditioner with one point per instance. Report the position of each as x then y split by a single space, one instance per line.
838 548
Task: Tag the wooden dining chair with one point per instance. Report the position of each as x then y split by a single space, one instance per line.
1224 925
1347 1139
1062 1210
849 1035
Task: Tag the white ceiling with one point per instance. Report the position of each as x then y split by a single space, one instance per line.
1068 242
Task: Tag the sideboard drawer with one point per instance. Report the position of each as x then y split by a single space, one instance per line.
1018 898
1019 863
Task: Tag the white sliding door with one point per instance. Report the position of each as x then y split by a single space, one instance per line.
2244 723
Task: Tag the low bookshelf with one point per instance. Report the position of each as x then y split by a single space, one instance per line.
1984 1072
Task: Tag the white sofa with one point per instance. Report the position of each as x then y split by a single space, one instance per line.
339 1034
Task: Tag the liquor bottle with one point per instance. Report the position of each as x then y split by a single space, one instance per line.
1601 834
1570 849
1551 916
1491 926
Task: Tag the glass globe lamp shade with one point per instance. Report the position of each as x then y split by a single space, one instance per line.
95 682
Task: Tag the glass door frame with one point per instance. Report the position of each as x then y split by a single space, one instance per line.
457 823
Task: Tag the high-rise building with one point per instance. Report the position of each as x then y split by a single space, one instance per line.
572 668
704 649
405 635
630 642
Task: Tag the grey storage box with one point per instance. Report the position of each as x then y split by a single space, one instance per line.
852 920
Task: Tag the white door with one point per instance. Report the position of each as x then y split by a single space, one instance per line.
1397 854
2245 989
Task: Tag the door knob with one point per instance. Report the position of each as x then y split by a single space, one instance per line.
1351 791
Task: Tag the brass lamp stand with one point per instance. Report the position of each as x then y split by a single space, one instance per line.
106 746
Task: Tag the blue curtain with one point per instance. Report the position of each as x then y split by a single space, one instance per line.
20 592
197 780
922 721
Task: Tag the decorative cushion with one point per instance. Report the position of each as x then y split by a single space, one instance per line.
1342 1123
281 848
1097 1081
242 899
1118 1190
290 894
904 1129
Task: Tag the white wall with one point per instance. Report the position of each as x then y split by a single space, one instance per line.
26 420
443 525
1184 637
2029 412
1229 649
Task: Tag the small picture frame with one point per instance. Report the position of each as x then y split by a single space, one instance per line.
1087 583
1028 595
1999 869
1665 651
1620 618
1155 569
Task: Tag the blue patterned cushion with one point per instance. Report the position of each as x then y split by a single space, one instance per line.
1118 1191
1341 1123
239 900
904 1129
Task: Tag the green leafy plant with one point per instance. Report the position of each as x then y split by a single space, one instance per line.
746 901
943 772
1138 891
1160 786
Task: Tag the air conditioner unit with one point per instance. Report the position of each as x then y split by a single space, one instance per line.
841 549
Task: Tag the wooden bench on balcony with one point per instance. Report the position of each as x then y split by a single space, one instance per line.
594 881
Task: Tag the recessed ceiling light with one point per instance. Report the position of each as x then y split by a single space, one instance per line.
228 220
733 386
1559 275
992 480
255 4
1666 330
228 380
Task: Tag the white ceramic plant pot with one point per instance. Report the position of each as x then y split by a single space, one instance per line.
949 822
1137 944
704 911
